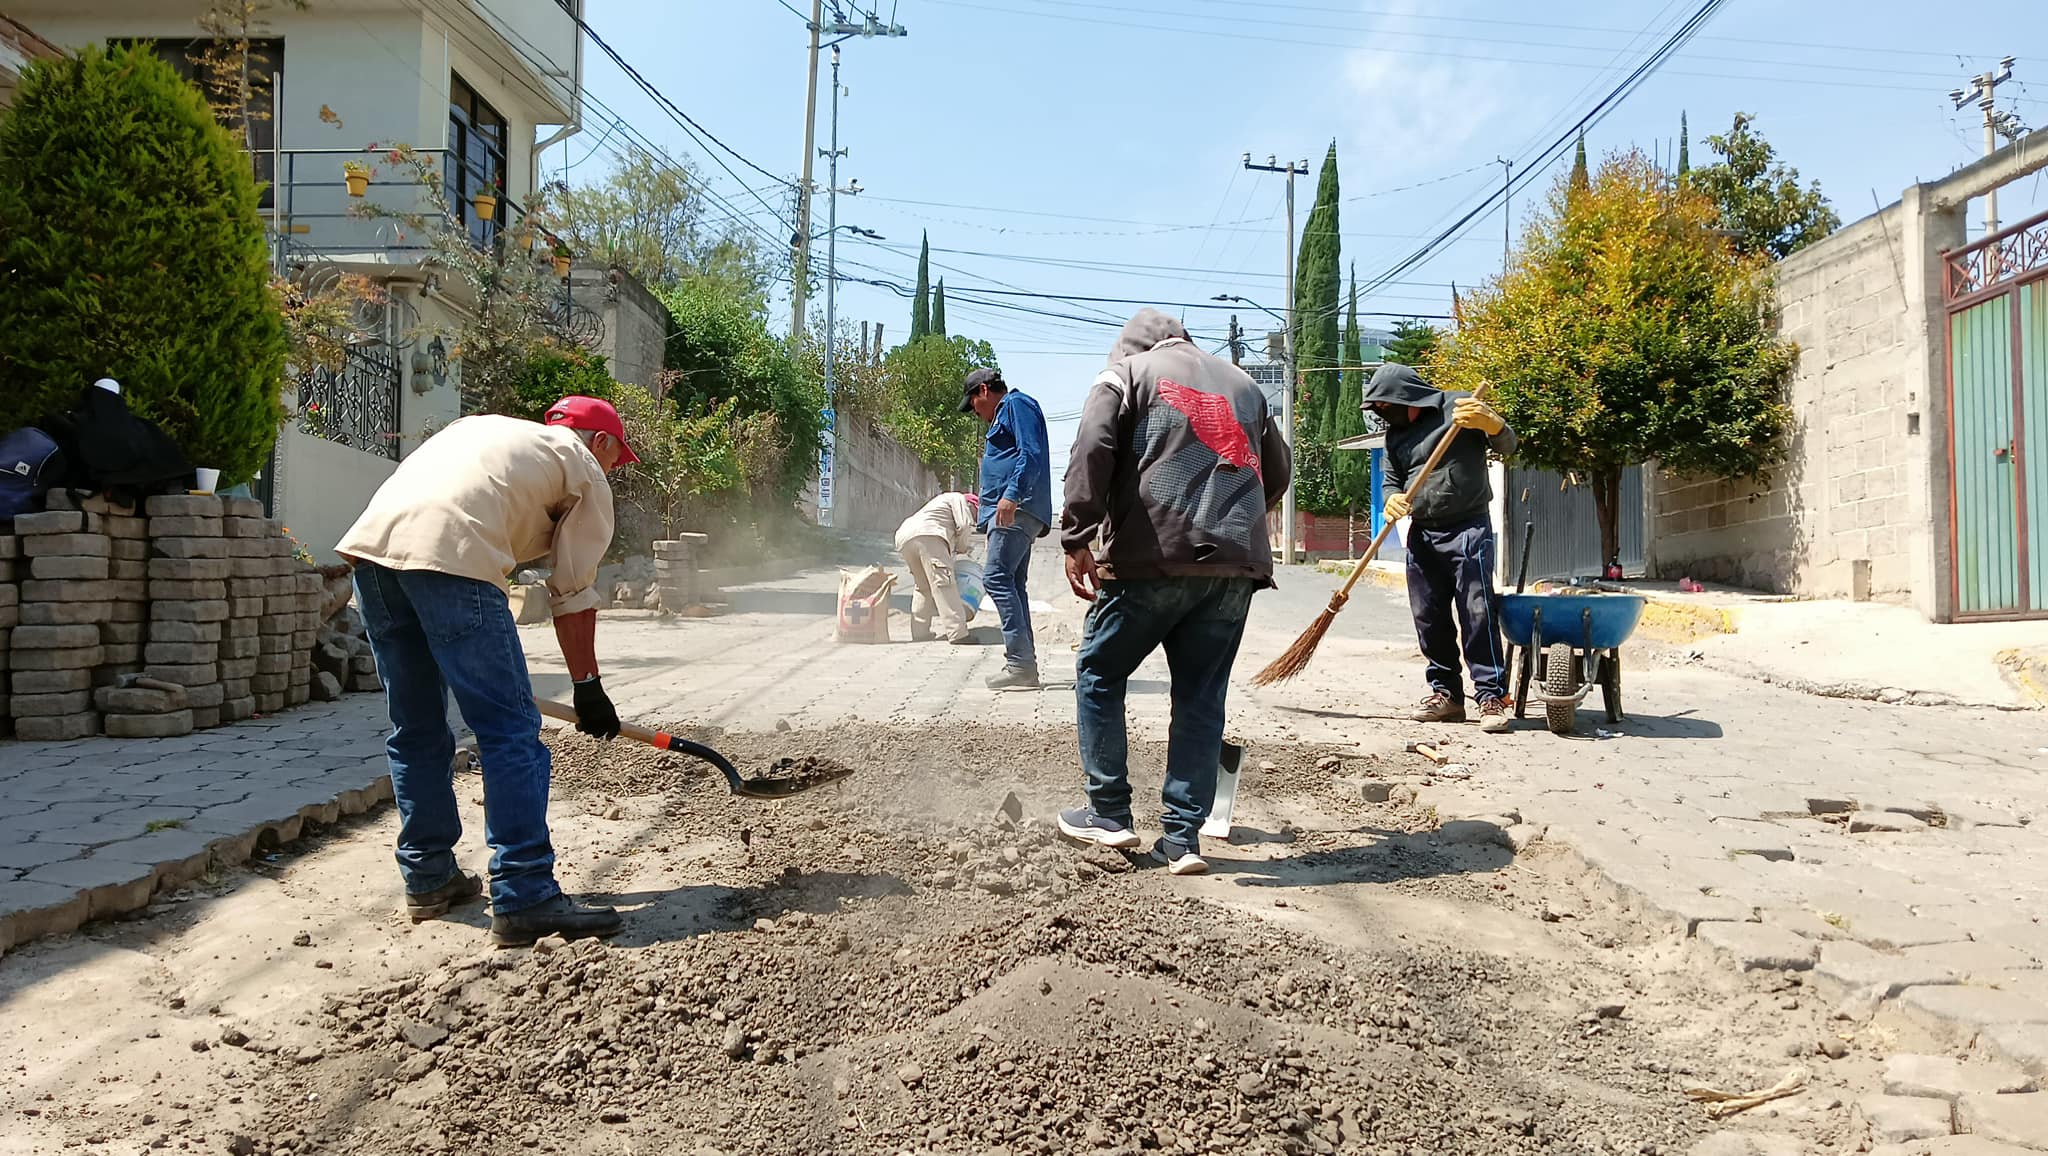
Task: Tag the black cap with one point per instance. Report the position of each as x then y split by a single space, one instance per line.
975 380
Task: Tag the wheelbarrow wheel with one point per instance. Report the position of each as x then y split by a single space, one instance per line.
1560 680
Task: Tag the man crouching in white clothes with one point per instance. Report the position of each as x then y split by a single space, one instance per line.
929 540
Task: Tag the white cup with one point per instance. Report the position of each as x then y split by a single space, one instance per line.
206 480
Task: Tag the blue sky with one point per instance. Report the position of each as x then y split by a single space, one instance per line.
1095 149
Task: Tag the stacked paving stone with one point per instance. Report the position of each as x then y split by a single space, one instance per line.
675 572
66 597
275 630
10 612
188 611
254 547
308 592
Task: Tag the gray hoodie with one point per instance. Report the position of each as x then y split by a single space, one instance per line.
1175 463
1458 490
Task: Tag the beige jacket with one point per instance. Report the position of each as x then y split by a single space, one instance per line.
947 516
486 495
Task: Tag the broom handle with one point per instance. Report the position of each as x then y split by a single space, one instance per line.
1436 455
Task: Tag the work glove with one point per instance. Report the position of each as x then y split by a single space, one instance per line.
1471 413
595 715
1398 506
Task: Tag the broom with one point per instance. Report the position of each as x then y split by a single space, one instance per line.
1295 658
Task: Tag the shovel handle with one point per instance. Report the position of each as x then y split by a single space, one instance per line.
659 740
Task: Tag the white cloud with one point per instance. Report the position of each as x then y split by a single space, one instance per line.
1412 111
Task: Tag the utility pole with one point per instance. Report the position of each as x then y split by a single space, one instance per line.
1507 216
829 454
1236 347
1983 91
799 268
1292 169
869 27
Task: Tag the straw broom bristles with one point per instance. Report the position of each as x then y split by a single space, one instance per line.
1295 658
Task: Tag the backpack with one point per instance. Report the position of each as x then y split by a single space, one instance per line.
29 463
107 449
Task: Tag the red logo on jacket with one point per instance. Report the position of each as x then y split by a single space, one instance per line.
1214 422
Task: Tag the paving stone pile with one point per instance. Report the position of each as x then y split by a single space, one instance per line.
149 622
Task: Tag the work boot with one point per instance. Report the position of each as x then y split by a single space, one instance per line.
1180 858
558 916
920 632
1083 825
425 905
961 637
1014 678
1440 707
1493 715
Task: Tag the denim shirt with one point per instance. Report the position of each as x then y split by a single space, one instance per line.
1015 463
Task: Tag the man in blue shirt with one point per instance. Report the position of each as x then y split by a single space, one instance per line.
1016 510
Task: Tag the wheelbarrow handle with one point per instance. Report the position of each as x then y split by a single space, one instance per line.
1528 540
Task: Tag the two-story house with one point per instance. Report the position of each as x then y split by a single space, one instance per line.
483 87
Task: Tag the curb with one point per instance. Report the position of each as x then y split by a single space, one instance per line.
1859 691
122 888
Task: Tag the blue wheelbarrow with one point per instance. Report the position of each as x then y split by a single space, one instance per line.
1568 644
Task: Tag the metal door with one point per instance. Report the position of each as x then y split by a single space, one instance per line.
1997 296
1567 542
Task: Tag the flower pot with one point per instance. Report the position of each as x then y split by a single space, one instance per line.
358 183
486 206
561 266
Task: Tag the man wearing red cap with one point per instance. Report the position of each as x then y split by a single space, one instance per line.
433 553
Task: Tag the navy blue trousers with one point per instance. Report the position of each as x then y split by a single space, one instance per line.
1450 592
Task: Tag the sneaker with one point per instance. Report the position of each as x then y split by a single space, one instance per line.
961 637
1493 715
1180 858
558 916
425 905
1014 678
1084 825
920 633
1440 707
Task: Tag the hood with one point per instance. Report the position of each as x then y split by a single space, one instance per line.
1146 329
1400 385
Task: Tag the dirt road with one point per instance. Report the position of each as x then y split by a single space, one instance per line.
895 965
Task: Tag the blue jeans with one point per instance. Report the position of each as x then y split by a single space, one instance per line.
1004 578
434 633
1199 621
1450 571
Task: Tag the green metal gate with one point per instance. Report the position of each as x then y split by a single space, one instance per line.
1997 295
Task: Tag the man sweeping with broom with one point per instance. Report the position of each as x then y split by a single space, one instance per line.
1450 540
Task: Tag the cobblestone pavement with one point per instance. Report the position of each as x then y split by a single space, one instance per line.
92 828
1896 855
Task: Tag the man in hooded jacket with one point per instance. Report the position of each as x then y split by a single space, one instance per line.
1450 539
1176 461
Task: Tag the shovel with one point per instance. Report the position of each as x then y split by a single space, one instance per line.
775 788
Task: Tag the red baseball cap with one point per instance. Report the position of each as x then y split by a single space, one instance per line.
596 415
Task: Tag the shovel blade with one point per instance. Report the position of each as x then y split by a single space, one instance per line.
1217 825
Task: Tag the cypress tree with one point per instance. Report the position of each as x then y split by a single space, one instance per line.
921 304
1684 152
1580 180
939 309
1351 470
1318 289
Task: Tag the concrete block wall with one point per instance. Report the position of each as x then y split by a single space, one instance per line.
1838 514
879 482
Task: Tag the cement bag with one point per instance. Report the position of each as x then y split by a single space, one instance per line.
864 604
968 576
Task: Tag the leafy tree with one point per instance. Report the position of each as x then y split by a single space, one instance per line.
720 350
1413 342
133 249
921 304
1318 290
923 412
238 92
648 217
1629 330
1350 470
1759 199
555 373
939 309
1314 483
687 461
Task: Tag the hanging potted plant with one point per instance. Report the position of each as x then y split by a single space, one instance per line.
357 175
560 256
485 204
